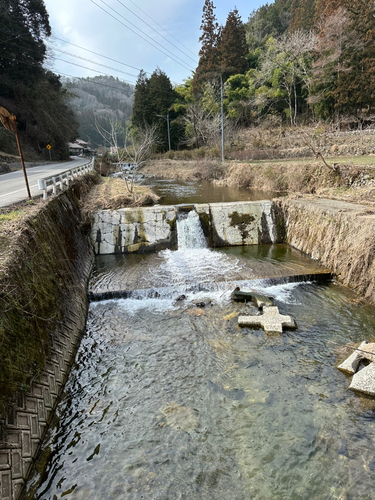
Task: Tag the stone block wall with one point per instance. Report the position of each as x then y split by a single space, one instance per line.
224 224
54 248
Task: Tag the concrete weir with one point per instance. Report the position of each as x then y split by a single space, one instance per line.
131 230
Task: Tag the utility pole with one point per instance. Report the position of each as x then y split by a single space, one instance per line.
9 122
222 118
169 132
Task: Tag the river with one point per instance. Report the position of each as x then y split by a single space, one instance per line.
170 399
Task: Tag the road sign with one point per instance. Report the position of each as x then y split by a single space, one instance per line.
48 146
8 119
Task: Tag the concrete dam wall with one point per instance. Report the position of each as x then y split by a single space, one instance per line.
131 230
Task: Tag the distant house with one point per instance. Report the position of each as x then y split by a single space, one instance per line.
75 149
79 147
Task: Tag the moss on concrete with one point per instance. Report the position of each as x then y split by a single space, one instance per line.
47 264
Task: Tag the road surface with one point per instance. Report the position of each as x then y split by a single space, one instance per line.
13 187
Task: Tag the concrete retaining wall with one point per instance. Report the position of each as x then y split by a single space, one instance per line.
43 305
148 229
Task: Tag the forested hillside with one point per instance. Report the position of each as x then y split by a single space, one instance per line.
34 94
98 102
292 62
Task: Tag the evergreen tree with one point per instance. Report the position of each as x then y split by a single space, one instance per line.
161 95
232 46
270 20
153 99
303 14
325 8
24 25
208 54
33 94
141 103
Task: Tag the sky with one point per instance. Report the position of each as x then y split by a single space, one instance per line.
169 39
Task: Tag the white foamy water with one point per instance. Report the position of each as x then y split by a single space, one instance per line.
190 233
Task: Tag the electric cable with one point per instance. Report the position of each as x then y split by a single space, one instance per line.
140 36
160 26
74 64
93 62
173 45
53 37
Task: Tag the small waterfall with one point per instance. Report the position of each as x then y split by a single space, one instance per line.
189 232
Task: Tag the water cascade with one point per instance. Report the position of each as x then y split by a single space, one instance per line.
189 231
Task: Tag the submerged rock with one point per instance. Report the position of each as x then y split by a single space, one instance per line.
179 417
230 316
219 346
239 296
180 298
261 300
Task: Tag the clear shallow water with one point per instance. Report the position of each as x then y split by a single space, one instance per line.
168 400
174 192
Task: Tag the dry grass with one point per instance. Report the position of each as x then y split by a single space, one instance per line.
308 176
111 194
12 219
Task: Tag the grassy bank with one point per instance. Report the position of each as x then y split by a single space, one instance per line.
346 178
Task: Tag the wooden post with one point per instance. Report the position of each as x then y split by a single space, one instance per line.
21 155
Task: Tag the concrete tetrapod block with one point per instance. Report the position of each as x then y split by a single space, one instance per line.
364 380
261 301
350 365
271 321
369 351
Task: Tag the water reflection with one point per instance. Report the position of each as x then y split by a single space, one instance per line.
174 192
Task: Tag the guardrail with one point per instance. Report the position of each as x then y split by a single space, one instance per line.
62 178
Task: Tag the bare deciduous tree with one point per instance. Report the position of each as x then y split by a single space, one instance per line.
138 145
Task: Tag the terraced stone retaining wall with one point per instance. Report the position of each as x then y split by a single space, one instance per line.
43 306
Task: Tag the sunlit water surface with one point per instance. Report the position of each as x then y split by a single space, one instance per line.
172 400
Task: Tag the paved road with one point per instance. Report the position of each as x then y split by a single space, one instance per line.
13 187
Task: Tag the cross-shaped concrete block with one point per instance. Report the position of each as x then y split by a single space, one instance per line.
271 321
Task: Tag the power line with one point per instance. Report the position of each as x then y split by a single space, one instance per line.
97 54
93 62
91 69
170 34
71 76
74 64
104 57
143 21
87 50
140 36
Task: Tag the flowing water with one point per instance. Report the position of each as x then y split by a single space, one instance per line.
170 399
